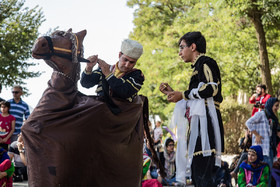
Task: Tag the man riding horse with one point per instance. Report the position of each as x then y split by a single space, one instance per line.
76 140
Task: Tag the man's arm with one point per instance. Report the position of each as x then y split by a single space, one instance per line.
208 73
253 98
251 124
22 153
92 79
26 112
126 87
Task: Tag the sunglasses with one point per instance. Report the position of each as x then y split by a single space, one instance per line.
15 92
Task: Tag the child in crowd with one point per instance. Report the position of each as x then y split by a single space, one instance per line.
7 125
253 172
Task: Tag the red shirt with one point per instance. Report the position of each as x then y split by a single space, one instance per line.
6 126
262 100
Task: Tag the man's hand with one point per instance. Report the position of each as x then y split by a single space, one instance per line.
104 67
254 96
20 146
165 88
174 96
91 64
259 139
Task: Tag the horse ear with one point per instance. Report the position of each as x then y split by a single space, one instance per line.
70 30
81 34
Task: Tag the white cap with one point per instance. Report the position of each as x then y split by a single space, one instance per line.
132 48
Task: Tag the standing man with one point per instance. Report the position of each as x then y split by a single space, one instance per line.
123 79
206 136
0 92
19 109
158 136
259 98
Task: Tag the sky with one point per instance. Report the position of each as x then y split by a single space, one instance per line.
108 23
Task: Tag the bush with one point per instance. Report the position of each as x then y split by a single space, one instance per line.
234 116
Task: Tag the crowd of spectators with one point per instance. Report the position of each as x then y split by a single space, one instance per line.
13 161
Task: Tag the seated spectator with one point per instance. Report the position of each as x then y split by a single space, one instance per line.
167 158
16 152
254 171
264 127
275 173
147 180
6 169
222 177
245 144
7 125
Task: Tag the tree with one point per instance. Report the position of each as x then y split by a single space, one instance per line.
264 15
230 41
18 31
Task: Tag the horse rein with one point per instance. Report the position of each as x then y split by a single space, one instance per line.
53 49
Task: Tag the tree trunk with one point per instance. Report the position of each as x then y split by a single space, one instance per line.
255 16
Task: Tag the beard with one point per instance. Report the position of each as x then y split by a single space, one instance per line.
260 93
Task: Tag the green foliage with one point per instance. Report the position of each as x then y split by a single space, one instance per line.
231 41
18 31
234 117
268 9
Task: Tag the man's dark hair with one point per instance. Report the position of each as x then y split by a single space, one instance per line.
197 38
262 86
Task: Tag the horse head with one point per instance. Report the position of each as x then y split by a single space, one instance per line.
62 51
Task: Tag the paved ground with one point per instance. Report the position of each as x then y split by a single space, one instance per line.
20 184
227 158
24 184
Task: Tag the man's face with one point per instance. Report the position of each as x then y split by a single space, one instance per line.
259 90
185 52
158 124
126 63
16 93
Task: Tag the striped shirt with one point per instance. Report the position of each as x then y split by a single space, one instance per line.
260 123
18 110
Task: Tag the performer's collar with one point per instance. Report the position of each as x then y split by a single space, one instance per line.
117 72
196 59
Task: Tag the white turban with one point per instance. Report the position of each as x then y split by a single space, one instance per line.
132 48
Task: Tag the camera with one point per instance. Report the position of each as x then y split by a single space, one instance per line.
258 104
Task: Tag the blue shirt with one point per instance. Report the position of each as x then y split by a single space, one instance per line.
18 110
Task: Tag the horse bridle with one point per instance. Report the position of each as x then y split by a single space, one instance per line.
63 55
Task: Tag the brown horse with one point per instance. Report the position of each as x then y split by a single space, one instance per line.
75 140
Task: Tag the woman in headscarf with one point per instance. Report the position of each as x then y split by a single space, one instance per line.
264 127
167 158
253 172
